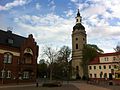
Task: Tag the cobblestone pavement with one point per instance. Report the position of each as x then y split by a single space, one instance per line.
84 86
79 85
33 87
111 87
103 86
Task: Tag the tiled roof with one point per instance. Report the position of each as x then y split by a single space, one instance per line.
109 54
5 35
97 61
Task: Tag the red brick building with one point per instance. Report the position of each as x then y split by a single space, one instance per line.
18 58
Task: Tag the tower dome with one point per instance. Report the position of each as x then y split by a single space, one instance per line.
78 25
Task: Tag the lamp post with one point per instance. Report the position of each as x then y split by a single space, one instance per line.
68 73
3 72
3 75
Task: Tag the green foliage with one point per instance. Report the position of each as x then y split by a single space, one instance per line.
117 48
42 70
64 54
95 47
61 67
89 53
59 62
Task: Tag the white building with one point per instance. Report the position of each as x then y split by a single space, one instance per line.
105 66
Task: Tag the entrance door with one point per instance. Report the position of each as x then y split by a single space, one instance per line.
110 76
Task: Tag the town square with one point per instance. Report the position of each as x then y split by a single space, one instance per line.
59 45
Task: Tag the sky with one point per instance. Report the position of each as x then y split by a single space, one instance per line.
51 21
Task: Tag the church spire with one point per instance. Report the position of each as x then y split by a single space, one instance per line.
78 14
78 18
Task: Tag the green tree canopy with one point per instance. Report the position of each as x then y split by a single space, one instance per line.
90 51
117 48
42 69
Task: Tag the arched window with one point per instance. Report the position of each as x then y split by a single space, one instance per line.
27 58
105 75
77 68
90 75
76 20
76 46
7 58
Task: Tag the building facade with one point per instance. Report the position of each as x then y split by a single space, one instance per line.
105 67
18 58
78 42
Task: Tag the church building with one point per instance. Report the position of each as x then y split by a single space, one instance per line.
18 58
78 42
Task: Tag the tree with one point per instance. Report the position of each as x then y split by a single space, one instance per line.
58 61
42 69
64 54
51 55
117 49
95 47
63 59
90 51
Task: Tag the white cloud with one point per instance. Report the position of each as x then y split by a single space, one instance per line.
99 30
14 4
52 5
69 13
74 1
47 29
38 6
56 30
53 29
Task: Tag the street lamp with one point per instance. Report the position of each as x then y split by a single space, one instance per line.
3 72
3 75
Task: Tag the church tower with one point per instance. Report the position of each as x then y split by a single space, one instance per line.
78 42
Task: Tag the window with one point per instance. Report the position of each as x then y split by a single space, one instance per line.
115 66
76 46
114 58
77 68
27 59
8 74
106 59
7 58
118 75
90 67
95 75
76 20
104 67
26 75
94 67
99 67
83 39
109 66
90 75
76 39
105 75
10 41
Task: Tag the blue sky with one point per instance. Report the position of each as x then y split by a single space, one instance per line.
51 21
